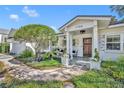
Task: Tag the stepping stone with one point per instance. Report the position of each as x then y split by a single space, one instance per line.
68 85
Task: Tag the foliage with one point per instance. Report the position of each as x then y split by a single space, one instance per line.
8 81
26 54
96 56
110 76
49 55
96 79
118 8
45 64
38 35
115 69
33 84
4 48
2 66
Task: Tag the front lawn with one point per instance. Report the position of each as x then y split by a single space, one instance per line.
96 79
31 84
110 76
48 64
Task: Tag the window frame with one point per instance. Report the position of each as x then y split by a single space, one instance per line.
121 47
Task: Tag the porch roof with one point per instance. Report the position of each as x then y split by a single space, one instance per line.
86 16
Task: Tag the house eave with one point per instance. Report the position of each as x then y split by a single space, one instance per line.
89 17
116 25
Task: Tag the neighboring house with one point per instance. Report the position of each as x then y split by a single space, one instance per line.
3 35
84 33
17 47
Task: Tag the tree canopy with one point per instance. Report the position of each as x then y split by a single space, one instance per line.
118 9
36 34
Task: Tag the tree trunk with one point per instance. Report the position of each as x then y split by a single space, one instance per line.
37 56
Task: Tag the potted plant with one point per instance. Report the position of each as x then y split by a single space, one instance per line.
65 58
96 62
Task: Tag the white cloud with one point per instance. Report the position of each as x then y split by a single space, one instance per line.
30 12
14 17
54 28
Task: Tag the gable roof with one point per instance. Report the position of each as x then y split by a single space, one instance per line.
107 16
11 33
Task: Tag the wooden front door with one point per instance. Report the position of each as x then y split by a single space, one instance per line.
87 47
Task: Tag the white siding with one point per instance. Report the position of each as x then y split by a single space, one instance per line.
104 54
17 47
0 38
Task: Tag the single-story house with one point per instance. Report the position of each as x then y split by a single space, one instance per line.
85 33
3 35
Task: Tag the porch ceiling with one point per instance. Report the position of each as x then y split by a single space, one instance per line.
77 32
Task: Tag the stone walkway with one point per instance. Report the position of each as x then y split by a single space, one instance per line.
22 71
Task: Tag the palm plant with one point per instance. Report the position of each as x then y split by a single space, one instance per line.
119 9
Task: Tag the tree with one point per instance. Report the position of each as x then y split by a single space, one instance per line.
118 9
38 35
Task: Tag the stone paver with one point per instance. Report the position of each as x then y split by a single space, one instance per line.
68 85
22 71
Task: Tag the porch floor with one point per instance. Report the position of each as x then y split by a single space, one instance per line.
77 60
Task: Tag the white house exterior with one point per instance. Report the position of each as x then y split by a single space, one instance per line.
3 35
84 33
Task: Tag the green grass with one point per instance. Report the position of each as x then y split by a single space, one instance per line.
32 84
115 69
96 79
48 64
110 76
39 84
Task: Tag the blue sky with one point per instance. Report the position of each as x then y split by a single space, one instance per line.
53 16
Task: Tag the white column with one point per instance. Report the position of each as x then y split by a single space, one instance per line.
71 46
95 37
10 49
67 47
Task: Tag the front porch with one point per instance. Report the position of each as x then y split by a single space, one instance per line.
79 60
81 43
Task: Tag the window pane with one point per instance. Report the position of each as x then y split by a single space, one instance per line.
64 42
109 39
113 38
74 42
113 46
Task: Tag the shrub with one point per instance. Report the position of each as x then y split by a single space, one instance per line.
45 64
26 54
120 59
49 55
8 81
2 67
32 84
115 69
95 79
4 48
109 64
96 56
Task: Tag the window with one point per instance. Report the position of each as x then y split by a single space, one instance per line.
74 42
64 42
113 42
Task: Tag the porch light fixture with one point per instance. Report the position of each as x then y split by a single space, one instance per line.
82 31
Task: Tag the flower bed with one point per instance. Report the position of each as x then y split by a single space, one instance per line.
48 64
